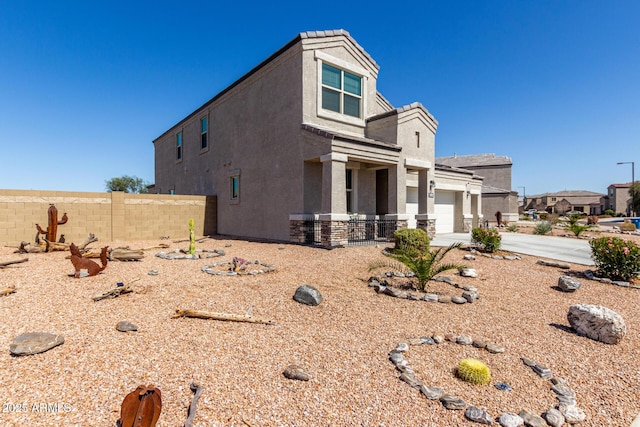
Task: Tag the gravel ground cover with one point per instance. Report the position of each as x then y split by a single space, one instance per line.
343 343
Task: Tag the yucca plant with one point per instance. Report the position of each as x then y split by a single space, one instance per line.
424 265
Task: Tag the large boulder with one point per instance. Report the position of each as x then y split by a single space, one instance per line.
34 343
597 322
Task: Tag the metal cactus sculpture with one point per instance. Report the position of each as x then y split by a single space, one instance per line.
52 228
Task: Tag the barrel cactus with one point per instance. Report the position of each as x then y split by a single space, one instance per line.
474 371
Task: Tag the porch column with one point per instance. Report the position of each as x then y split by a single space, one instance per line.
397 195
425 219
334 219
334 186
467 215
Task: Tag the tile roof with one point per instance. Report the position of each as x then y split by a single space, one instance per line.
475 160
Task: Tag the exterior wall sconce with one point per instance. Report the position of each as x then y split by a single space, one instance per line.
432 185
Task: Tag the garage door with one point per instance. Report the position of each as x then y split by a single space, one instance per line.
412 206
444 210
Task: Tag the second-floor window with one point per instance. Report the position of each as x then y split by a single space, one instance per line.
341 91
203 133
179 146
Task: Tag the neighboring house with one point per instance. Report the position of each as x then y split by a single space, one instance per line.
561 202
305 139
496 187
619 199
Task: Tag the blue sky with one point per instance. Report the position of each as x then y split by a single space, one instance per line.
85 87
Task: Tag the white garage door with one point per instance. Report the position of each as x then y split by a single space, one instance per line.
412 206
444 210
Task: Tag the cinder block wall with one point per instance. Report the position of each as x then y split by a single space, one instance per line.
110 216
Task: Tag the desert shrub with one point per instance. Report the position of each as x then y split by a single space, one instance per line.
411 239
573 219
487 238
542 228
513 228
473 371
609 212
592 219
627 226
577 229
526 217
615 258
425 265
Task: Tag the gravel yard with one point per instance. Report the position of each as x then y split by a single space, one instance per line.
343 343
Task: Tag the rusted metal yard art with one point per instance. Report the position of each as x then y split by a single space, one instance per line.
80 263
141 407
52 227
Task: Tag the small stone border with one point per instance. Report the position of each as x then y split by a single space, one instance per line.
200 254
567 409
212 269
476 251
381 286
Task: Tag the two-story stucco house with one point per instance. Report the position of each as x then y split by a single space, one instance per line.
305 137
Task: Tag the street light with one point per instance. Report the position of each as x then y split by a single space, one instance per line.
633 181
524 197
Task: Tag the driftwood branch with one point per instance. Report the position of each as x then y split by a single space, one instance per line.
222 316
114 293
90 239
191 412
7 291
6 263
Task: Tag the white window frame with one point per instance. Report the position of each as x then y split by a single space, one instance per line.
321 58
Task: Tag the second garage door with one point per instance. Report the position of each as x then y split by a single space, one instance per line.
444 210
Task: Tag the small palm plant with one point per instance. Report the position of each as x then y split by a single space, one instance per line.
424 265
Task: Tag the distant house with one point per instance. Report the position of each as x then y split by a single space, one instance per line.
303 145
561 202
496 186
619 199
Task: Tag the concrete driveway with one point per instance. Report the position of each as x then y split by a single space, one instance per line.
565 249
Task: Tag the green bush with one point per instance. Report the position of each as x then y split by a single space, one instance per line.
513 228
542 228
577 229
411 240
609 212
487 238
615 258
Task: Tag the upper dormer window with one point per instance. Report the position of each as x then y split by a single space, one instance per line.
341 91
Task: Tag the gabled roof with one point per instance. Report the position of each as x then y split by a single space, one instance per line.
568 193
400 110
473 160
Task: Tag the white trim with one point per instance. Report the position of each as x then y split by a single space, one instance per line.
334 217
347 66
417 164
334 157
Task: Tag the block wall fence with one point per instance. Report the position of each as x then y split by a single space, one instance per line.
110 216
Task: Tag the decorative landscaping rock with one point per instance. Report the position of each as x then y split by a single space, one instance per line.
469 257
430 297
597 322
478 415
464 340
509 419
453 402
562 265
445 279
445 299
34 342
308 295
531 419
431 393
153 272
568 284
295 372
543 371
503 386
402 347
410 378
427 340
494 348
200 253
458 300
470 296
468 272
396 293
124 326
479 343
553 417
572 414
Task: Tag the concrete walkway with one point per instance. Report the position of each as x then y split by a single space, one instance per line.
565 249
